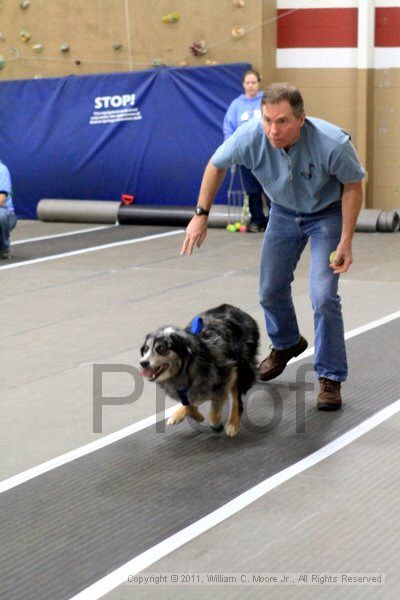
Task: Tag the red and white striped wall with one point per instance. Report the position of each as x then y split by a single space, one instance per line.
338 34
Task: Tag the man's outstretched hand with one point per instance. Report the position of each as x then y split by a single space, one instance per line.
196 233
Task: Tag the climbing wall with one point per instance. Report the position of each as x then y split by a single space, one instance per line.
40 38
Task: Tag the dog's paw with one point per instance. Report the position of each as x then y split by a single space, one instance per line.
177 417
174 420
217 427
231 429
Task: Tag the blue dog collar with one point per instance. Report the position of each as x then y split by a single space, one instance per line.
195 328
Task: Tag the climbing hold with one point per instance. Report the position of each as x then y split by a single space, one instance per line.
117 46
211 62
2 38
172 17
238 32
157 62
198 48
24 3
77 62
183 63
37 47
239 3
64 48
2 61
25 36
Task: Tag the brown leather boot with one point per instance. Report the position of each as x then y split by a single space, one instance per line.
329 397
276 361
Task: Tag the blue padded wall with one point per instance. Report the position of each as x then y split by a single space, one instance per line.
148 133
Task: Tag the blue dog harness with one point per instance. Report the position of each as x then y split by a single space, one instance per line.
195 328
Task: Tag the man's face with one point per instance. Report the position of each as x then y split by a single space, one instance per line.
281 126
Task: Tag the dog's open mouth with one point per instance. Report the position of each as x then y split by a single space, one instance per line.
153 374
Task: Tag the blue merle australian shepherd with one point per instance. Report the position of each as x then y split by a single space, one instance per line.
213 357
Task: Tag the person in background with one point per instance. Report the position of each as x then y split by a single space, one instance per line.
245 107
8 220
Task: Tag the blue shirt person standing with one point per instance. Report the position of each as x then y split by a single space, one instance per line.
312 174
8 220
244 108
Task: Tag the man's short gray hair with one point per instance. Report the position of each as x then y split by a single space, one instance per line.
279 92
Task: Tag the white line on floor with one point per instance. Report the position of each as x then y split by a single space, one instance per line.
152 555
58 461
60 235
91 249
20 478
353 333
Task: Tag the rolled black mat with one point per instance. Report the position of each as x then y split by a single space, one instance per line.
179 216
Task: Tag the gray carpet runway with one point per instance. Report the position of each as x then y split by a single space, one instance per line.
68 528
60 245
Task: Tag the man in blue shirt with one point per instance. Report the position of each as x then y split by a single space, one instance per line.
311 172
8 219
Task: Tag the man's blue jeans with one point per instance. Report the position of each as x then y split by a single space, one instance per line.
8 221
285 239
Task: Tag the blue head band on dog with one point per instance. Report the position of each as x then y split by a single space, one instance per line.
196 325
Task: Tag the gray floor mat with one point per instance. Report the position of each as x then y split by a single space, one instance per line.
65 529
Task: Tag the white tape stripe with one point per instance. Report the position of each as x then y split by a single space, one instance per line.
157 552
91 249
49 465
353 333
60 235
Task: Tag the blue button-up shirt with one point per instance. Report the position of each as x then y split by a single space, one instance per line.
308 177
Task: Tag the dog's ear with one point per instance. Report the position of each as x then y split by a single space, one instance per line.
180 344
143 349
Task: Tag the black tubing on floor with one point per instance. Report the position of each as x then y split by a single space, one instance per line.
178 216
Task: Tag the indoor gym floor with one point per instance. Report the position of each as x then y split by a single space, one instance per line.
71 301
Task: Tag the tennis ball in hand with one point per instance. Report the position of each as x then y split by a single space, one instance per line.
332 258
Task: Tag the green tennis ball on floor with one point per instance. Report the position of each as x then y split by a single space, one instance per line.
238 226
231 228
